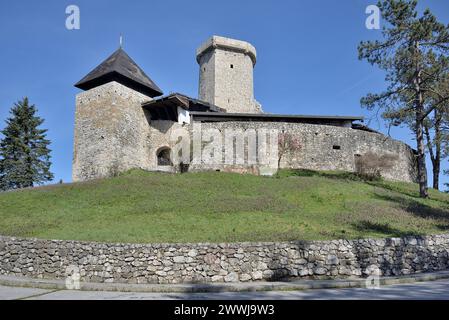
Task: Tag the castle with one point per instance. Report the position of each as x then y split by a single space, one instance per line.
123 121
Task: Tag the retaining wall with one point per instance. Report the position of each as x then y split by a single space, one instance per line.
224 262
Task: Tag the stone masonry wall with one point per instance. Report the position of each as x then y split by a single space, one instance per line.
160 134
113 134
111 131
226 77
326 147
223 262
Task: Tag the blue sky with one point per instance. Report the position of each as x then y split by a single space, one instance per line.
307 54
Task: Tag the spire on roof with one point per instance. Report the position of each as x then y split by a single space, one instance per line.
121 68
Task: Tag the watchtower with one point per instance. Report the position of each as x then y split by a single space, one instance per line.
226 74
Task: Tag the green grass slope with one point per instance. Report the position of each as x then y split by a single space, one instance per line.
140 206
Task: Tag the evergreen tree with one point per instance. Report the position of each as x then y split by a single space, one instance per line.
414 54
24 152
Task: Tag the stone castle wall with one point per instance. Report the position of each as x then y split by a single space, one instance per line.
223 262
325 147
113 133
160 135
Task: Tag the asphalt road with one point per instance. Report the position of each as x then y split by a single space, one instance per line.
433 290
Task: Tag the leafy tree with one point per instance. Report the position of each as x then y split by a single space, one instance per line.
414 54
24 152
287 143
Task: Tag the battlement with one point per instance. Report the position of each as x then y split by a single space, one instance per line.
227 44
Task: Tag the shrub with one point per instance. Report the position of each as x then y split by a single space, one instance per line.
369 166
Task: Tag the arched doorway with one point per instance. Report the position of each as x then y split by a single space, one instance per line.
163 156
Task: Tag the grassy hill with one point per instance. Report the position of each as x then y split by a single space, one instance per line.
140 206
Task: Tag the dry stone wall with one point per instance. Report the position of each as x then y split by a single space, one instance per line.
223 262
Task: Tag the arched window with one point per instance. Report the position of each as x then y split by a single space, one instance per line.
163 157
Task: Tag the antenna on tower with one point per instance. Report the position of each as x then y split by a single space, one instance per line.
121 41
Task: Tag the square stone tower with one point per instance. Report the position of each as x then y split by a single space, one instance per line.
110 125
226 74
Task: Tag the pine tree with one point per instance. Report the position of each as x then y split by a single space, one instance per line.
414 54
436 125
24 152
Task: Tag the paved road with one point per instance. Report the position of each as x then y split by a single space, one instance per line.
421 290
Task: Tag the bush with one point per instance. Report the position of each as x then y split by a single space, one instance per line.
370 165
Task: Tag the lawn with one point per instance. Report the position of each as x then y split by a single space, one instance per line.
140 206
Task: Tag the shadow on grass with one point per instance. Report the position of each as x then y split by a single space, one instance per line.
352 176
384 228
407 192
417 208
340 175
387 186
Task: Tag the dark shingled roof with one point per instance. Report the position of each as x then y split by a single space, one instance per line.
121 68
166 108
223 116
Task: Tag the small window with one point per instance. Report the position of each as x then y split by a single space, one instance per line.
232 66
336 147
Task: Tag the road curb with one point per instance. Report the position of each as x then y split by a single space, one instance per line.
221 287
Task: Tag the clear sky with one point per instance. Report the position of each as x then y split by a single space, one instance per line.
307 54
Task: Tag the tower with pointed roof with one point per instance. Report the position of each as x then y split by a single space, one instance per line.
110 124
121 68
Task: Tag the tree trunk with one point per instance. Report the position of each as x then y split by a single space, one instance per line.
421 158
419 107
437 163
435 156
436 176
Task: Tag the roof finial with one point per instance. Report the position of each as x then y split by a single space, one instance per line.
121 41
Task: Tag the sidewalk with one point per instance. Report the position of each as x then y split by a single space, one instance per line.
220 287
